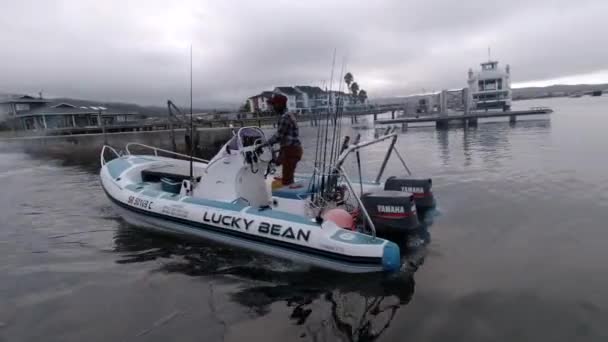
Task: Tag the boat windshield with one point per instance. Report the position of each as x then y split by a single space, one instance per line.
249 135
233 144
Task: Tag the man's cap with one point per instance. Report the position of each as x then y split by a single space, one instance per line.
278 100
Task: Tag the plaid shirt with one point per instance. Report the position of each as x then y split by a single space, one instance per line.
287 133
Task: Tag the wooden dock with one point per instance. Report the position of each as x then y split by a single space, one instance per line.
470 119
164 124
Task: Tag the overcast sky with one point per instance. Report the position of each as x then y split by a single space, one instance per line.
139 50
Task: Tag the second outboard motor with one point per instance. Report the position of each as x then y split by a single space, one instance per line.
393 212
421 188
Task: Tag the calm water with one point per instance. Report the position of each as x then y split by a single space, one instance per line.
518 252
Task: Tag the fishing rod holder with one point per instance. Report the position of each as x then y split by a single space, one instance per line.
359 202
389 135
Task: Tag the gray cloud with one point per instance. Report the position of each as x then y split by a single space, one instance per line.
138 50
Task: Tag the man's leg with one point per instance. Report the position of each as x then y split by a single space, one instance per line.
291 156
289 167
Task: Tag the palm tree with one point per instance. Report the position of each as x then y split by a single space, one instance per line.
349 78
362 96
354 89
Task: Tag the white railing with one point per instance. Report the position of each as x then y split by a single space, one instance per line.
103 151
156 150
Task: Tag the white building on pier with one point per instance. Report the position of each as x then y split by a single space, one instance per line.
490 87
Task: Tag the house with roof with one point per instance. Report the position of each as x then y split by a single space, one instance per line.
340 99
13 105
259 103
24 112
314 99
302 100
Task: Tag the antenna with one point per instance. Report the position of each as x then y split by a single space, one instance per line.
191 122
489 54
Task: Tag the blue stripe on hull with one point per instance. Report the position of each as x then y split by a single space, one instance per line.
166 227
335 257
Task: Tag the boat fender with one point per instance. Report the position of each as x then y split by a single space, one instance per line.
340 217
391 257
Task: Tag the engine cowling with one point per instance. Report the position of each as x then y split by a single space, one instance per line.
393 212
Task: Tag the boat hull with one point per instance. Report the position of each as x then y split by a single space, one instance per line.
267 231
168 227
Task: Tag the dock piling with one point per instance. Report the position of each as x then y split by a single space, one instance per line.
441 124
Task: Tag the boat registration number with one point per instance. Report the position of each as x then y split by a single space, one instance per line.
138 202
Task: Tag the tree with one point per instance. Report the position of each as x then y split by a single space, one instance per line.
349 78
354 89
362 96
246 107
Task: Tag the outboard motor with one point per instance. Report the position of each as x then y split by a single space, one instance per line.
393 212
421 188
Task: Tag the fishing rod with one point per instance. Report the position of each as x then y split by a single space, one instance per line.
318 149
331 172
323 165
357 140
337 126
341 114
335 112
191 124
313 183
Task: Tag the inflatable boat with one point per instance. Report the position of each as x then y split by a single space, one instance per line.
233 199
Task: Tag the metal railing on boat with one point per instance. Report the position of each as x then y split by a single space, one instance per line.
156 150
103 151
388 134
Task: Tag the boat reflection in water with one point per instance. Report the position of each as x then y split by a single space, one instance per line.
358 307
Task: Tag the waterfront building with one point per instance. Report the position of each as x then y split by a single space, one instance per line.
259 103
490 87
302 100
24 112
313 98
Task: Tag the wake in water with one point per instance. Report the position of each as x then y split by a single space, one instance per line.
27 170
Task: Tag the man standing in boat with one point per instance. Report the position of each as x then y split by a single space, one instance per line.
287 136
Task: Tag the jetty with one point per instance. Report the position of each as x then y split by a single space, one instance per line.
470 119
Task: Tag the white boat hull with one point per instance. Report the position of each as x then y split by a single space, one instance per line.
167 227
267 231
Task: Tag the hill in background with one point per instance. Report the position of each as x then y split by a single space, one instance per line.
557 90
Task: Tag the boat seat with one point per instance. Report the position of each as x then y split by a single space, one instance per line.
172 172
298 190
